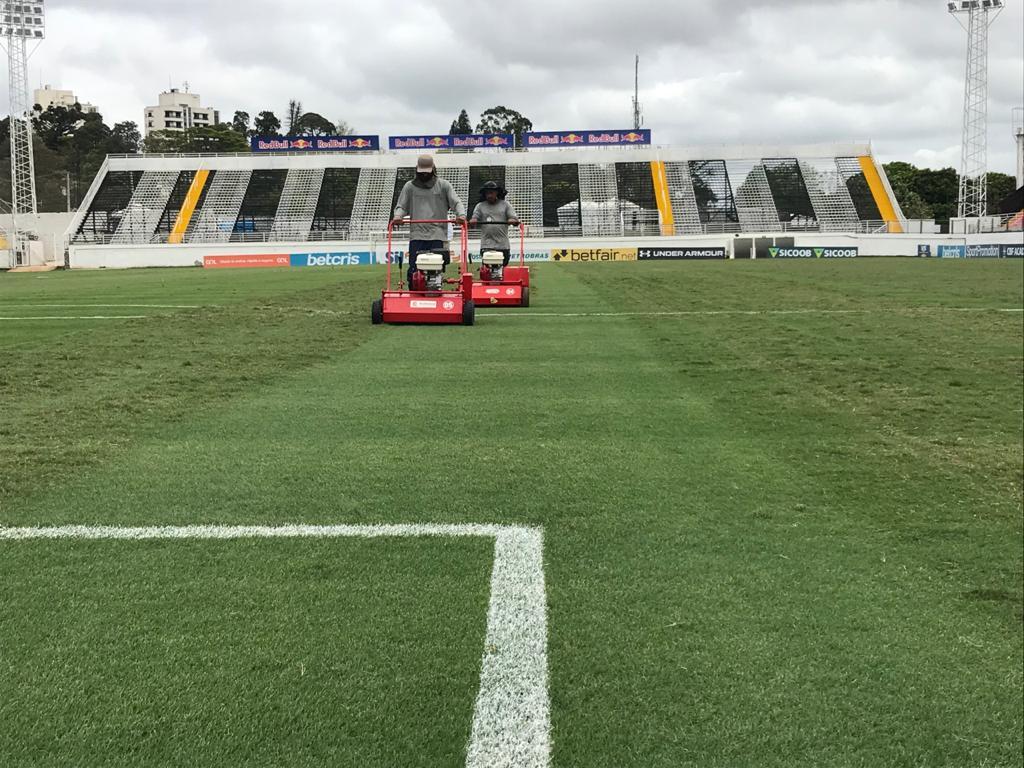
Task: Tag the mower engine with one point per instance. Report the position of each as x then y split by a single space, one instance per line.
492 266
429 274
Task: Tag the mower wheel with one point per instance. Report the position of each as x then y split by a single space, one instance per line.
468 313
525 301
377 312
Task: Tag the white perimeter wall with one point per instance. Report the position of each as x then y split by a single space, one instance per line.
125 256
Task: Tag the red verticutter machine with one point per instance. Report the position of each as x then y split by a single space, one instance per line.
501 286
430 298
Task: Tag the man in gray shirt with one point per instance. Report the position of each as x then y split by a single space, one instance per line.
427 197
494 214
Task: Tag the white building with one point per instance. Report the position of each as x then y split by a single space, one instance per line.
47 97
178 111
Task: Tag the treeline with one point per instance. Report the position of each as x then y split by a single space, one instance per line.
926 193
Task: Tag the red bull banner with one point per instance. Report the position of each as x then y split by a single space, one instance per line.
454 141
315 143
623 138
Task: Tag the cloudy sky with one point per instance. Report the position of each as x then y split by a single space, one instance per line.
728 71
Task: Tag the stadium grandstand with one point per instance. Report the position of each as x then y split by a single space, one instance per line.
563 195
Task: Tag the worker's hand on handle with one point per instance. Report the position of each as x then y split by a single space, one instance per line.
460 220
513 222
473 222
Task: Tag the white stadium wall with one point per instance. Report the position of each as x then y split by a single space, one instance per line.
354 253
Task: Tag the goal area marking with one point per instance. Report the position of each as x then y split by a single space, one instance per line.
511 717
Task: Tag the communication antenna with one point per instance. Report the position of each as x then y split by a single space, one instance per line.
973 200
638 118
21 25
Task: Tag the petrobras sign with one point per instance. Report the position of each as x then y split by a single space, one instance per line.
952 251
646 254
332 259
528 255
614 138
454 141
315 143
531 256
813 253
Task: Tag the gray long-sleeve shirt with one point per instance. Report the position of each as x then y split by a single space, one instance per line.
432 202
493 220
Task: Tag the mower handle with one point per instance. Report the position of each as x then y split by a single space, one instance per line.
522 237
464 232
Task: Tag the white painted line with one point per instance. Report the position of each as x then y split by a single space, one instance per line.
512 714
129 306
511 721
76 317
714 312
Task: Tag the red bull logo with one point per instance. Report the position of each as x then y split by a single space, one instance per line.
588 138
314 143
457 141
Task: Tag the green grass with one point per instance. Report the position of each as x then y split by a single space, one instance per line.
771 540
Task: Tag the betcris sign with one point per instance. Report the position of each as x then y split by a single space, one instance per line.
454 141
332 259
813 253
952 251
315 143
618 138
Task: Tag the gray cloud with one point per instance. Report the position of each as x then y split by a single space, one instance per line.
746 71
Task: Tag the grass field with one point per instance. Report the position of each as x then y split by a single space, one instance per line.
781 507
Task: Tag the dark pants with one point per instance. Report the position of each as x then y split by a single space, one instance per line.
417 247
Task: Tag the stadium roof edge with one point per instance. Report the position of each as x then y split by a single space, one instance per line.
247 160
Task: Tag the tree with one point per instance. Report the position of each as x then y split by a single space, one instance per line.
267 124
56 123
504 120
312 124
215 138
461 124
342 128
164 142
240 123
125 138
294 115
924 193
1000 187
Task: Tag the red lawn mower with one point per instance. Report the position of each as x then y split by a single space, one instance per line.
429 299
501 286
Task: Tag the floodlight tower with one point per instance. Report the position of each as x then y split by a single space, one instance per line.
1018 135
974 153
21 24
638 118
